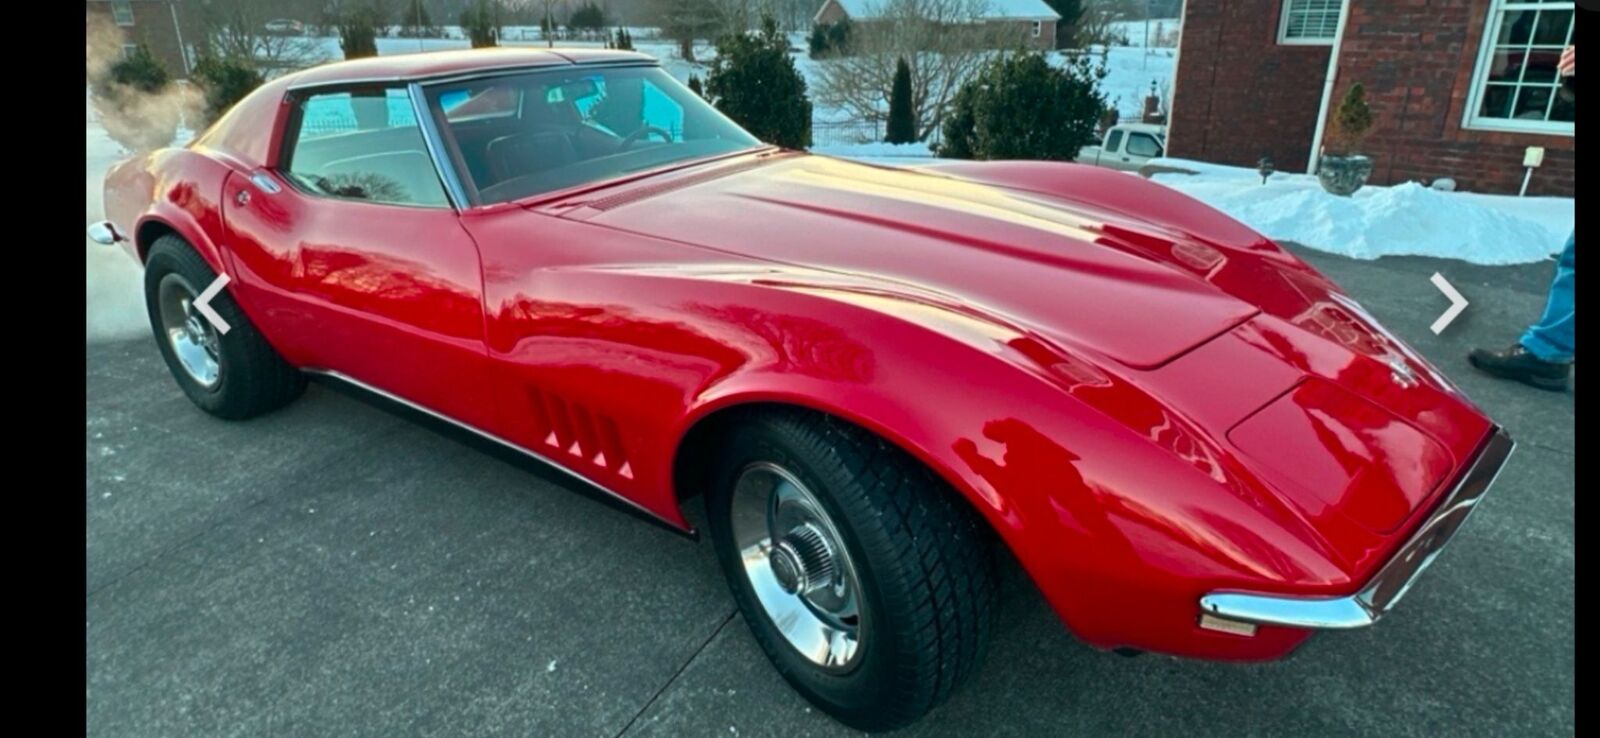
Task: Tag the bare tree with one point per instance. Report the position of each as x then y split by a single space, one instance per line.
685 21
943 41
1100 24
237 29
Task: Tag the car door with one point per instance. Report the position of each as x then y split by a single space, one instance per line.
350 254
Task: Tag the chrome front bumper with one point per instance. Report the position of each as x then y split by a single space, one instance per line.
1365 607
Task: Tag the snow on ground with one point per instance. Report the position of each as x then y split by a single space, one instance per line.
1130 73
1162 32
1404 220
878 152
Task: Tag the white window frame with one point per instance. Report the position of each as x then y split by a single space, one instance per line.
1480 77
1038 28
128 50
1283 27
122 12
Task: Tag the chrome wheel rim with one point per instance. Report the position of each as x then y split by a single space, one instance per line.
191 337
797 565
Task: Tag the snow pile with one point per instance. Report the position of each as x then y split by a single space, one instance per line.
877 150
1404 220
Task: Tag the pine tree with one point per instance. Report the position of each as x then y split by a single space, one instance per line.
1019 106
754 81
1071 11
481 22
225 82
588 17
902 126
1351 121
358 30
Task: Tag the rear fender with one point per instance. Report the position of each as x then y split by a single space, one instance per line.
181 193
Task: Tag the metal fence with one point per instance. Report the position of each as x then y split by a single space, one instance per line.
839 133
844 133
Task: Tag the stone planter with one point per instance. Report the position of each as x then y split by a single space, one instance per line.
1343 175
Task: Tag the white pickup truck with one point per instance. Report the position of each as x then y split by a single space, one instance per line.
1127 146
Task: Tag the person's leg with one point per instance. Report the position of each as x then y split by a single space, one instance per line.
1543 356
1551 338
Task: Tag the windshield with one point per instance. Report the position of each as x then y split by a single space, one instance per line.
519 135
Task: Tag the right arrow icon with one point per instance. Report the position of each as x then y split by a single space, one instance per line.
1457 303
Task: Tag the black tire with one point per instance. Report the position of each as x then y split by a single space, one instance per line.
252 378
924 561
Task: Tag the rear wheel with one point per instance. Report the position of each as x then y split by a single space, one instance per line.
869 583
232 375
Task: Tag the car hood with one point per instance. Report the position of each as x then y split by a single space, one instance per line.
1273 364
1022 257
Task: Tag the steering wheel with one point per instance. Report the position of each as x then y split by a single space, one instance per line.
639 135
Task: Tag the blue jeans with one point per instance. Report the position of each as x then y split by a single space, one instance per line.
1551 338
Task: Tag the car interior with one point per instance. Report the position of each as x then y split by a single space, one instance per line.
388 165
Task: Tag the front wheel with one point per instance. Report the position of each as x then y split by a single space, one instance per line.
867 581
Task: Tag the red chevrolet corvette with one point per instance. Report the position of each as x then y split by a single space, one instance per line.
872 377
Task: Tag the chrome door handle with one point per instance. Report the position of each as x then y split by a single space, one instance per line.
267 184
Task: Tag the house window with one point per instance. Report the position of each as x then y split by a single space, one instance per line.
1309 22
1515 86
122 12
1038 27
128 50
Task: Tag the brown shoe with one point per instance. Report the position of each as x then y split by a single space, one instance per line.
1518 364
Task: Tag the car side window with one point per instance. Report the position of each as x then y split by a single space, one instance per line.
1143 144
363 144
1113 140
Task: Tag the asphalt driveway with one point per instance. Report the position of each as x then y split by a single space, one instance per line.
332 569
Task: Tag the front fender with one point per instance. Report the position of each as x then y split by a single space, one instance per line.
1121 511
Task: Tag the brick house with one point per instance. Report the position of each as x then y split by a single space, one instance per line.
1033 20
163 25
1458 88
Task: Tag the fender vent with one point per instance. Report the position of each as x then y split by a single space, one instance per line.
577 436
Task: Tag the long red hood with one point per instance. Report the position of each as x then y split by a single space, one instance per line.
1236 336
1013 254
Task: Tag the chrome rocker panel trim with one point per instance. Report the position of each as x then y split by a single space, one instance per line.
1393 580
588 486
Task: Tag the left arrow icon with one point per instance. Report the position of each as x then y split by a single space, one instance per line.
203 304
